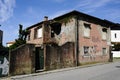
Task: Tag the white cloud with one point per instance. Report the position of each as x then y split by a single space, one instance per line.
92 5
6 9
59 13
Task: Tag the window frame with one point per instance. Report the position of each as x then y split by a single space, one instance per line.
104 51
87 29
104 34
36 32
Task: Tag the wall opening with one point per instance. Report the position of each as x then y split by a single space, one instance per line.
55 29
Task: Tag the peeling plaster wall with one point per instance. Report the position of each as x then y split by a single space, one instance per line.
67 32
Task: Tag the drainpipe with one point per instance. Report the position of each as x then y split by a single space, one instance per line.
77 40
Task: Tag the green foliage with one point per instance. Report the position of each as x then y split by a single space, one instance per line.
21 38
116 47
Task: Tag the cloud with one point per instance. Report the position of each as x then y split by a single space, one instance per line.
6 9
92 5
60 13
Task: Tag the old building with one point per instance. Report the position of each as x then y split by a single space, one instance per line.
68 40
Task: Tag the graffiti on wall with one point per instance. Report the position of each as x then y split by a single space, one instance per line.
4 66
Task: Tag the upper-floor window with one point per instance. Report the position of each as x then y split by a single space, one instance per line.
87 29
38 33
115 35
104 33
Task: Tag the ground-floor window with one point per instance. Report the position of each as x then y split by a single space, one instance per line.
104 51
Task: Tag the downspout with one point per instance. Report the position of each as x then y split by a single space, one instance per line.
77 40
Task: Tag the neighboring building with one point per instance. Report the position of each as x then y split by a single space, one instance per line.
115 39
1 36
69 40
115 34
8 44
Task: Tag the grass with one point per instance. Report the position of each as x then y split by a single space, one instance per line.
116 59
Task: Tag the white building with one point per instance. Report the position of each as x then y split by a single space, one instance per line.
115 38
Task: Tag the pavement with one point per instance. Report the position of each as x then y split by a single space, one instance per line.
19 77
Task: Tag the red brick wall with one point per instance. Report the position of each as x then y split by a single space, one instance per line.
94 42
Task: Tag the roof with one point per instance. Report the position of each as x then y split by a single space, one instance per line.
11 42
74 12
116 27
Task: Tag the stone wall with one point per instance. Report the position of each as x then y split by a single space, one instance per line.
60 56
22 60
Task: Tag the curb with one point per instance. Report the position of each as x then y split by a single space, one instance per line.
55 71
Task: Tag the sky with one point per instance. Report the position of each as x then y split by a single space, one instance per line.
29 12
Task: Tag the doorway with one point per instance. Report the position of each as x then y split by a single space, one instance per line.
39 59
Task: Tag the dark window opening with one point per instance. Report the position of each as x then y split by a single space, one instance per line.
87 25
55 29
115 35
86 50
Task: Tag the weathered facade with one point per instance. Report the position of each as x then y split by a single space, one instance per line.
69 40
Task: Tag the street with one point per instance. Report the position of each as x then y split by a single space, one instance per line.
109 71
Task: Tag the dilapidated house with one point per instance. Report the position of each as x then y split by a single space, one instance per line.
68 40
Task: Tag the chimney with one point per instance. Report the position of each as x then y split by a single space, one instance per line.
45 18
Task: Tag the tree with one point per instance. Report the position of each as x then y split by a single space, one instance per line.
21 37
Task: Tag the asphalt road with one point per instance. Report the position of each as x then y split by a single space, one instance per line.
109 71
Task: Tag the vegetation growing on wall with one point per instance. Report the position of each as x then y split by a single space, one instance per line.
21 39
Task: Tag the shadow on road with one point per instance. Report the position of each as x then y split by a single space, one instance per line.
117 66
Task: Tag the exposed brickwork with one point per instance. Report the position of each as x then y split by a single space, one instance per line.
95 41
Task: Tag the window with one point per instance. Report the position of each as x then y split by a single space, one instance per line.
104 34
115 35
87 30
86 50
104 51
37 33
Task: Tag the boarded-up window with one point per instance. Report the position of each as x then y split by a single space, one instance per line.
104 51
37 33
87 30
104 34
